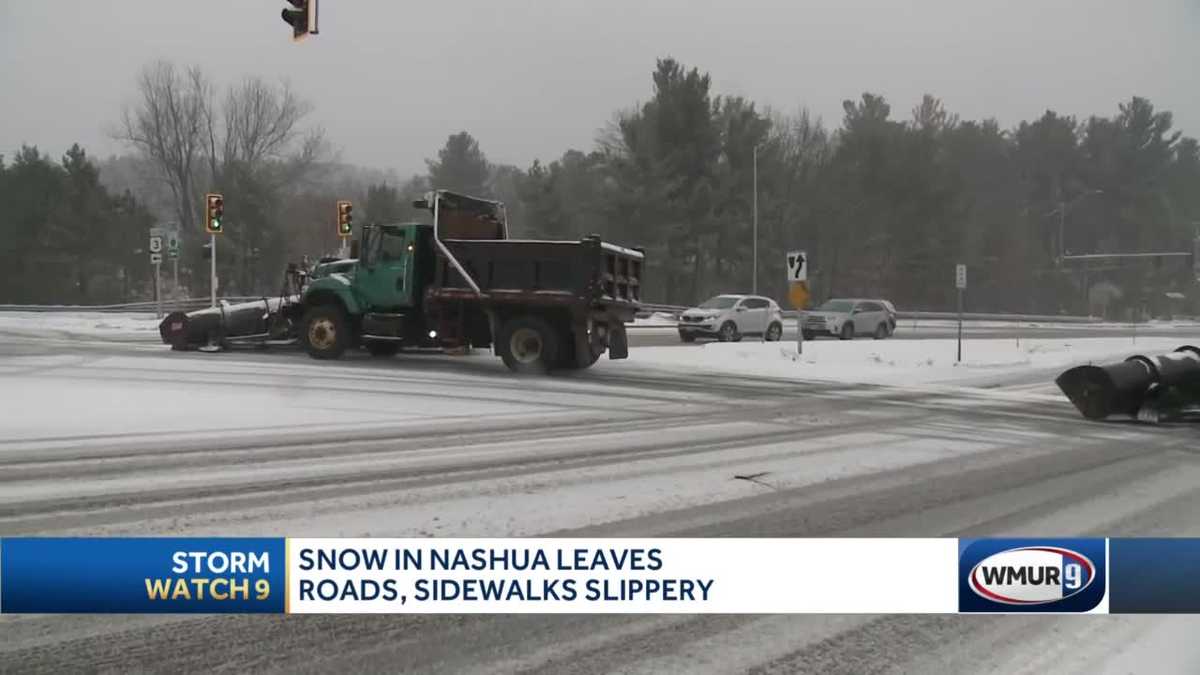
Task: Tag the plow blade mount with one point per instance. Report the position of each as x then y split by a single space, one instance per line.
1148 388
216 325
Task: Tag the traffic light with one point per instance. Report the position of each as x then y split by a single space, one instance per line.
302 19
345 218
214 213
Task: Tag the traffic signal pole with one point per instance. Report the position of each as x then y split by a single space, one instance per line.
212 276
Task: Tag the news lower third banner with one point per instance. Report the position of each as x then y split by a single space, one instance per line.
609 576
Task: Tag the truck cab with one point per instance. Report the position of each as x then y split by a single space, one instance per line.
376 300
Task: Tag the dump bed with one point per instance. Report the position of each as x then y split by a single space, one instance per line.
588 271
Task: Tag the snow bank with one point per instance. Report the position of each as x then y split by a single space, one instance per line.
657 319
895 361
100 324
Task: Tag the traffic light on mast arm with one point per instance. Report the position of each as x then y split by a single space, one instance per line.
345 218
302 18
214 213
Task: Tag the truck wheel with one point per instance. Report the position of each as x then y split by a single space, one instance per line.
382 348
774 332
325 334
881 331
528 345
569 357
847 331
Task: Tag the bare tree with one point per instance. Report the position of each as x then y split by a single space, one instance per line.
248 142
167 125
262 126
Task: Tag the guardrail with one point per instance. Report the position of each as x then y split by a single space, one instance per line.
185 305
928 316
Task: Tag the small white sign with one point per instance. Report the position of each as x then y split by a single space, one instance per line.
155 245
960 276
797 266
155 258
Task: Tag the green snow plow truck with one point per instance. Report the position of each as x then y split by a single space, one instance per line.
454 284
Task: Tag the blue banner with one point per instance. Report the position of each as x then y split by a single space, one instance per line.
142 575
1154 576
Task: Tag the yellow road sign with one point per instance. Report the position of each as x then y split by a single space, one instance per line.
798 294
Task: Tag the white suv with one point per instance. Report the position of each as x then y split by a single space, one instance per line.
729 317
849 317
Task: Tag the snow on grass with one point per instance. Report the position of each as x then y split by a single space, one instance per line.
896 361
99 324
657 319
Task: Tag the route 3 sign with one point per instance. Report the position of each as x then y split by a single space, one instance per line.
797 266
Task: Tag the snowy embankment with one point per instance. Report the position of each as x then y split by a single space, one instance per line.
897 361
116 325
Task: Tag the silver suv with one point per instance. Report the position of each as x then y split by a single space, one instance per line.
846 318
729 317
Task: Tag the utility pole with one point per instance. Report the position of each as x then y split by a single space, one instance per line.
1062 219
754 283
1062 228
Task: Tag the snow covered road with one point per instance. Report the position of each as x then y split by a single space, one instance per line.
127 438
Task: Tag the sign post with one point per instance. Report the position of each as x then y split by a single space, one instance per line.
960 282
156 247
797 276
173 254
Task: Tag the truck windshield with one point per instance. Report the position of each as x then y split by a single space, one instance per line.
836 306
719 302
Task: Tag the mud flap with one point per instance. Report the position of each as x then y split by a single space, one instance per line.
618 341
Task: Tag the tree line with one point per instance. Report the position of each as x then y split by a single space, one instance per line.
885 204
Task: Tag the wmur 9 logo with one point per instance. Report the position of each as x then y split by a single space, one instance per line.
1031 575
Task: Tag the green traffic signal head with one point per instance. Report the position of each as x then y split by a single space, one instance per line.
214 211
345 218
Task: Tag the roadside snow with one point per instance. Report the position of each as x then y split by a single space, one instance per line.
99 324
896 361
657 319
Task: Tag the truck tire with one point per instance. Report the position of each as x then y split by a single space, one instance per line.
528 344
774 332
325 332
847 331
569 357
382 348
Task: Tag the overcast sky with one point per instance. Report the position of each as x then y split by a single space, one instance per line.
531 78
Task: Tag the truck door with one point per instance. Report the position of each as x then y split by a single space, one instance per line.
386 282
